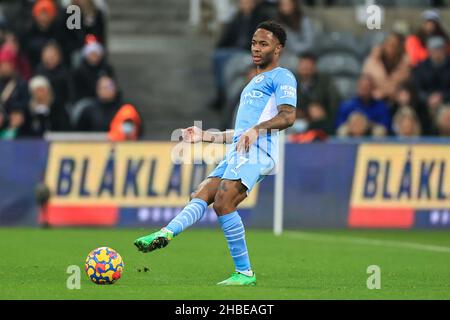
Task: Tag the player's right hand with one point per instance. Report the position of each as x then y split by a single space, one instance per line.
192 134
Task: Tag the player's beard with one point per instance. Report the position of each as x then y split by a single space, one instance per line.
266 60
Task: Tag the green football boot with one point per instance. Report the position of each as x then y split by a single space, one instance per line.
239 279
156 240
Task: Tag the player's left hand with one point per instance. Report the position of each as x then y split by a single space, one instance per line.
246 140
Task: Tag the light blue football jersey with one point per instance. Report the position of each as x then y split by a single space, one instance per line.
259 101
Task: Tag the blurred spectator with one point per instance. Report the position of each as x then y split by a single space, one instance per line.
416 45
45 27
13 95
236 38
443 121
126 124
93 21
239 31
56 72
377 111
358 125
407 97
92 67
318 96
98 115
44 114
406 123
388 65
432 76
22 64
299 28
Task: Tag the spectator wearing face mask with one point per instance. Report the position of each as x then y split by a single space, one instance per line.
126 124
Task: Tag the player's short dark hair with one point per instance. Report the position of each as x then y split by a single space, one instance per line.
275 28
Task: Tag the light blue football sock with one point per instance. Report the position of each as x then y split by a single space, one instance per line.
192 213
234 231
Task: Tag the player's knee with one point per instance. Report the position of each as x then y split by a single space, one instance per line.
222 207
219 208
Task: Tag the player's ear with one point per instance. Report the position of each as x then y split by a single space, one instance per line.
278 48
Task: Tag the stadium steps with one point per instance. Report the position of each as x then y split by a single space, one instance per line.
163 67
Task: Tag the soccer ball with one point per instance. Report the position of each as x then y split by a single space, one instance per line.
104 266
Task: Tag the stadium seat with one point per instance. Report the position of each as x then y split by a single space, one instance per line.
346 84
77 110
237 66
339 63
371 39
289 61
338 41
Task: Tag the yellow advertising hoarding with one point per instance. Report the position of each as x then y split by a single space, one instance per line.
130 174
402 176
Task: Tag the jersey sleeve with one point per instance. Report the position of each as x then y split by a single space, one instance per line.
285 87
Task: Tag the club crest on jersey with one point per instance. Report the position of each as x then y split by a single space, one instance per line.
259 78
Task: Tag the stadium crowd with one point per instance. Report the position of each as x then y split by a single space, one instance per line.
395 84
348 87
53 78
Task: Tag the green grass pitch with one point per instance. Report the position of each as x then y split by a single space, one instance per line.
323 264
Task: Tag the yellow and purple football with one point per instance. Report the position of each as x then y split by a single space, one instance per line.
104 266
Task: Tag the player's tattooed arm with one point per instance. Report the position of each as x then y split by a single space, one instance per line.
195 134
284 119
218 136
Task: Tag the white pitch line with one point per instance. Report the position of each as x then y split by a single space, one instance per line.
366 241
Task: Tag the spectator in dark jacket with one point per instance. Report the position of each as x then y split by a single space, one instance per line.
407 97
93 22
13 96
44 114
45 27
318 97
432 76
299 28
98 115
56 72
92 67
377 111
236 37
